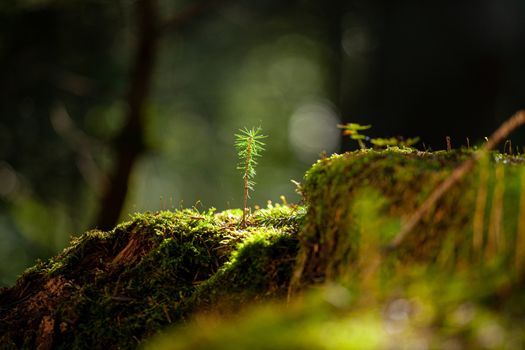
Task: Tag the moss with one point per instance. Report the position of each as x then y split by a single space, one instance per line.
120 287
400 181
434 311
116 288
258 270
310 324
440 290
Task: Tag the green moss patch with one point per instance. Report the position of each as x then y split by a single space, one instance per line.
116 288
455 282
298 277
358 202
425 311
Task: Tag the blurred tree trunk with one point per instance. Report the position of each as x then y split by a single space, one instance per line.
130 142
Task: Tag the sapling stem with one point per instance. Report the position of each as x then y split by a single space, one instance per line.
246 186
249 147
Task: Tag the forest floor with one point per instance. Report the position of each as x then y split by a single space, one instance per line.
313 275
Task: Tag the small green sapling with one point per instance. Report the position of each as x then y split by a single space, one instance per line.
249 147
352 130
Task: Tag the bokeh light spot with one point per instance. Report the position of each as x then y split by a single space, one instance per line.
313 129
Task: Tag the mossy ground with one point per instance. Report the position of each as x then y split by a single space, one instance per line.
320 279
113 289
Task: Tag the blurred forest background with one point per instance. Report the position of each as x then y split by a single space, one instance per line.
112 107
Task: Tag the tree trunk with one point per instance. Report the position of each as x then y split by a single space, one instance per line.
130 142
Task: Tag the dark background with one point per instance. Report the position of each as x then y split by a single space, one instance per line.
111 107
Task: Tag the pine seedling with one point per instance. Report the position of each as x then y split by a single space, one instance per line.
249 147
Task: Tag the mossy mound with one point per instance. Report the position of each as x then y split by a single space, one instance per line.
455 280
424 311
358 201
113 289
